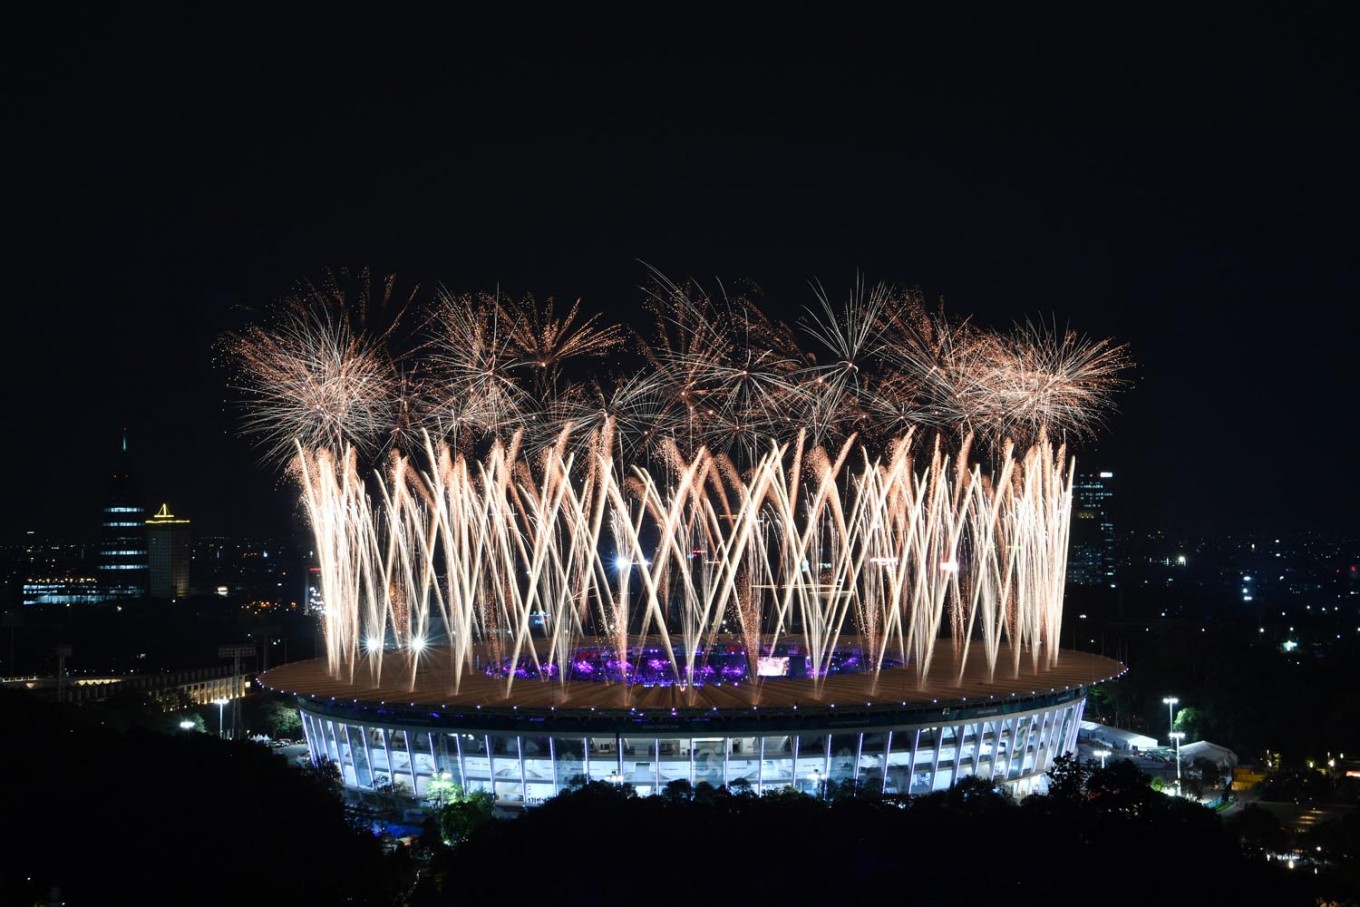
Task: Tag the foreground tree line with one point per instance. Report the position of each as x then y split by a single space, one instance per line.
127 816
1097 830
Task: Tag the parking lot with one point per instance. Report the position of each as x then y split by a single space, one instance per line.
295 751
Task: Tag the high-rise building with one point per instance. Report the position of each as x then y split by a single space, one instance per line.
1091 554
122 545
167 545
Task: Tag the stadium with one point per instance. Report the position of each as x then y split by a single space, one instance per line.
741 563
889 737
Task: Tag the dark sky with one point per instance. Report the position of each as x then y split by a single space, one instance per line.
1184 182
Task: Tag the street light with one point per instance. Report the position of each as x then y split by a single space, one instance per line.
1102 754
1176 736
186 725
1170 703
817 782
220 702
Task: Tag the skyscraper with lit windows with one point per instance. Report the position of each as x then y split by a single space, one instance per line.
1091 550
122 544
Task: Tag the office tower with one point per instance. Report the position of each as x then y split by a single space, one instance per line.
1091 554
122 546
167 545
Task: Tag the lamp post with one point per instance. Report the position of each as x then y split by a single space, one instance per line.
220 702
1170 702
817 783
1176 736
1102 754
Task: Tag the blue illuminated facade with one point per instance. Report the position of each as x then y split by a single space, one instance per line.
122 565
523 757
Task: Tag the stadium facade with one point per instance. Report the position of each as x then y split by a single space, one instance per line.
889 733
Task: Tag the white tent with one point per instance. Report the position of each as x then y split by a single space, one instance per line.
1203 749
1116 738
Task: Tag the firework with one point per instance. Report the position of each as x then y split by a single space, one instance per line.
315 383
733 484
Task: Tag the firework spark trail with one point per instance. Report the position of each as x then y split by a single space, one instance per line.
331 488
456 514
737 540
825 609
689 557
500 526
993 574
407 567
537 512
673 519
517 549
877 522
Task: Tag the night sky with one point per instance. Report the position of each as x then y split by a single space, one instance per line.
1184 182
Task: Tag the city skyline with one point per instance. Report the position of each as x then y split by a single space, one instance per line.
1182 187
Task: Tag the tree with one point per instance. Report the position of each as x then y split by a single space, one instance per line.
323 774
281 719
1300 785
679 790
394 793
707 793
741 787
252 812
1067 778
195 720
845 790
442 789
972 796
1191 721
128 708
463 814
1112 701
1121 787
1257 831
1204 775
